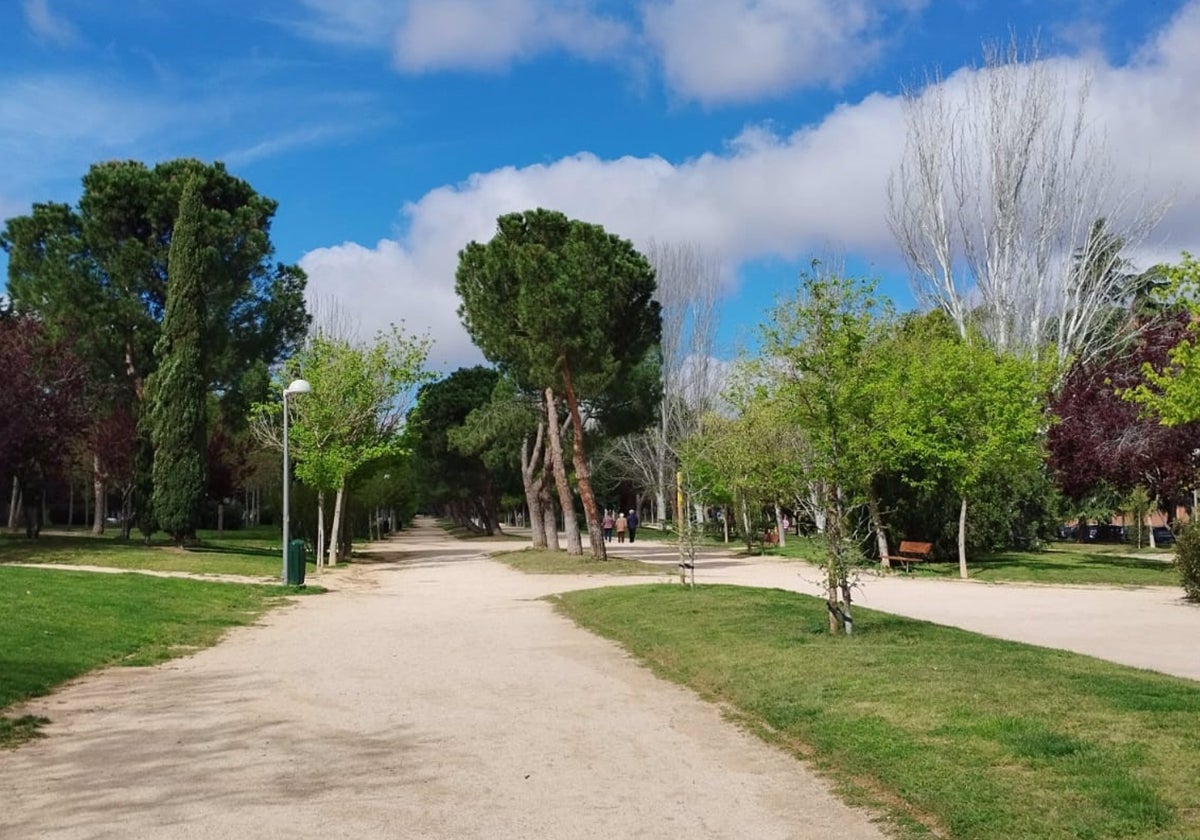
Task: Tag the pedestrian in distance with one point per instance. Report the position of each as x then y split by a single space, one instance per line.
607 524
621 525
632 522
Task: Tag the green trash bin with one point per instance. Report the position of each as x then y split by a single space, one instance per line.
296 563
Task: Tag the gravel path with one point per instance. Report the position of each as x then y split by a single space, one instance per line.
431 698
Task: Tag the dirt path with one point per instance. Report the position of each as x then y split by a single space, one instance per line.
431 698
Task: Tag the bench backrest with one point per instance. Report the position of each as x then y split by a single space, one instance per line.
911 547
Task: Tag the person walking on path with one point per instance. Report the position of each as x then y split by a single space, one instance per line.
607 524
621 525
632 522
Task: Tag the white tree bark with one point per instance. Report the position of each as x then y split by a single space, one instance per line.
688 285
336 526
962 539
320 546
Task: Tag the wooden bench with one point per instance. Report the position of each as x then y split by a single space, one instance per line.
912 552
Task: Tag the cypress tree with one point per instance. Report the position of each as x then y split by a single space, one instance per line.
178 392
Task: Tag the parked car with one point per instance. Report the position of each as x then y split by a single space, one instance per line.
1163 536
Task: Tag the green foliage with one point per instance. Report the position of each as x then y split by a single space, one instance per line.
817 348
353 413
495 430
178 392
561 304
549 296
958 410
452 471
1139 505
1173 393
954 412
1187 560
750 461
97 274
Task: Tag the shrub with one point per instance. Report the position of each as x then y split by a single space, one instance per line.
1187 560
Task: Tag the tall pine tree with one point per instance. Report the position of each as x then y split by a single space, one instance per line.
178 389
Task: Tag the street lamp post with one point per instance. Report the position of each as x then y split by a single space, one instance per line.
298 386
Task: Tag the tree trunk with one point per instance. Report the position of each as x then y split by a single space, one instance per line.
549 523
962 539
86 504
31 506
70 504
98 490
127 512
533 491
881 540
747 534
565 498
781 535
583 473
533 500
490 509
335 527
833 527
221 517
320 546
14 503
343 538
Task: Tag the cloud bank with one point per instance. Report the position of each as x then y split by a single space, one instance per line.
765 194
709 51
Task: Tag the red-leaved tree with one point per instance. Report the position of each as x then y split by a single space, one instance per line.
42 409
1101 438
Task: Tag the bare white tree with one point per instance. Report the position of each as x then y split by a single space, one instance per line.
689 283
1007 210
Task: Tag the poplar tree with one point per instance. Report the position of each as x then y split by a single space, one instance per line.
178 389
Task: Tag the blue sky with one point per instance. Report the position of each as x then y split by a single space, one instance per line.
394 131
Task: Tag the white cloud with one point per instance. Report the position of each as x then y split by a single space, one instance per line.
46 26
710 50
430 35
765 194
355 23
488 34
54 124
312 135
388 284
740 50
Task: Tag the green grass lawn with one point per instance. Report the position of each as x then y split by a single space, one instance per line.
542 562
255 552
808 548
60 624
1060 565
948 732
